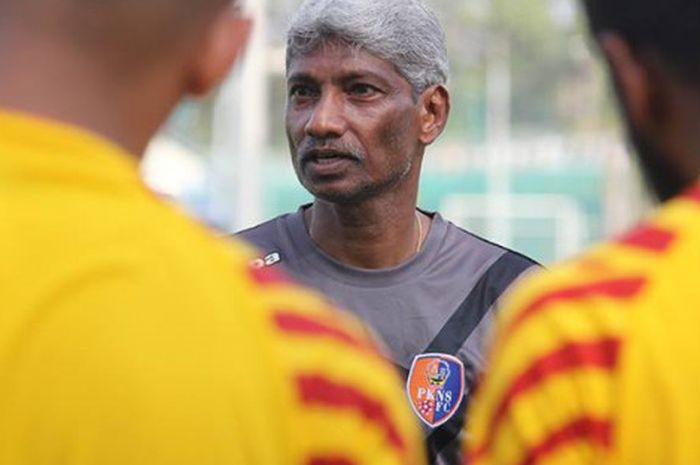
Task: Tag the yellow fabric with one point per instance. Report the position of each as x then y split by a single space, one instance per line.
647 395
130 335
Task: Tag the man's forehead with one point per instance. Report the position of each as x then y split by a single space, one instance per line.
340 59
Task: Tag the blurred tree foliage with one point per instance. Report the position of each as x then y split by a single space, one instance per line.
557 85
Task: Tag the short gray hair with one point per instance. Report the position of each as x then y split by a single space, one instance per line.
404 32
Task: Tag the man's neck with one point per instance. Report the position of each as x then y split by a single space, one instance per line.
374 235
70 89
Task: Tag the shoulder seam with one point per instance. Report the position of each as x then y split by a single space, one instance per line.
269 222
498 246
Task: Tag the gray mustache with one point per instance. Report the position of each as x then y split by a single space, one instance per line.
314 148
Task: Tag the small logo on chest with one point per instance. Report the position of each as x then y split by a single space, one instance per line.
268 260
435 387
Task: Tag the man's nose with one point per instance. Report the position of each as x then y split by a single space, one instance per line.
327 118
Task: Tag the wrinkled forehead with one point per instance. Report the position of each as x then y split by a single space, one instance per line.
340 57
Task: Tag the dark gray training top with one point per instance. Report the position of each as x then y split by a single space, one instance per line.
439 302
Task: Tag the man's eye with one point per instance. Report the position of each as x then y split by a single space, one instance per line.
363 90
299 91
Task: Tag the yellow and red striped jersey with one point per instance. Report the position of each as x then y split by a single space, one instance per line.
131 335
598 361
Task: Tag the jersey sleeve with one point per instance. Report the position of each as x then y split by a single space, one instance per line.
547 393
344 404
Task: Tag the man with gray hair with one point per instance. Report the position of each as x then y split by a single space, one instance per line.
367 94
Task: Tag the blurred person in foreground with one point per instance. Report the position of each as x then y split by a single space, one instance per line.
366 96
598 362
128 334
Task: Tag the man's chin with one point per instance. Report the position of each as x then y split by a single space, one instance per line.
657 168
340 198
664 190
338 194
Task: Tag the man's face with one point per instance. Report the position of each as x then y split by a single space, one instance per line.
352 124
638 90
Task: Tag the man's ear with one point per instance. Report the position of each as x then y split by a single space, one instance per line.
223 42
434 110
633 81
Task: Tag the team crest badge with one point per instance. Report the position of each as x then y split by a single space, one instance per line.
435 387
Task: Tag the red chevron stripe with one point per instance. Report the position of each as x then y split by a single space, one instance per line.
588 429
650 238
302 325
584 428
601 354
266 276
330 461
692 194
619 289
317 390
